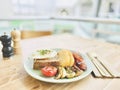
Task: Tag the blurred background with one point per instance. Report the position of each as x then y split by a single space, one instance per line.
99 19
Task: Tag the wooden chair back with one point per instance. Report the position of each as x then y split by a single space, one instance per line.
25 34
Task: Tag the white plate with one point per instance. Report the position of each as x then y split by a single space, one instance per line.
28 65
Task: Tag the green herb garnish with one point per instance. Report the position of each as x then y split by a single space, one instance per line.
43 52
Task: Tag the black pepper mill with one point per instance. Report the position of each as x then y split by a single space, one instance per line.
7 50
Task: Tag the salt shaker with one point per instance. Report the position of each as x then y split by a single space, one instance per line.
16 37
7 49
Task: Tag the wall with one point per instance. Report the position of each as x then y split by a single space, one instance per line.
6 9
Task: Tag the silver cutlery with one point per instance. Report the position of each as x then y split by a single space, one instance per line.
101 70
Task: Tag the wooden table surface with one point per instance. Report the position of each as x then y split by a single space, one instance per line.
14 77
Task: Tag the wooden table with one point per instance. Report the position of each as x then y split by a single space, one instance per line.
14 77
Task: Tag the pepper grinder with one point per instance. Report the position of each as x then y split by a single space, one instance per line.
7 50
16 37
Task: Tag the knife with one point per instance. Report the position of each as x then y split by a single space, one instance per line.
101 67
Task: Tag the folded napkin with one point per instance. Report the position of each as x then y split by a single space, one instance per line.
101 68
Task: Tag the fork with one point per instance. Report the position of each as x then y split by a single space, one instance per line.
98 65
103 69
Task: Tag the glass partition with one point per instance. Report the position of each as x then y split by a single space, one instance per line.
85 18
101 31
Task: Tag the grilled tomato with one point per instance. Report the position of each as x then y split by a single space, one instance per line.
49 71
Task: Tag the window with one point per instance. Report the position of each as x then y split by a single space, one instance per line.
33 7
24 6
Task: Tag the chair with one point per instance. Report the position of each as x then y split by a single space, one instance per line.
25 34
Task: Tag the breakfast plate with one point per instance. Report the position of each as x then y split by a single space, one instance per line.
28 65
